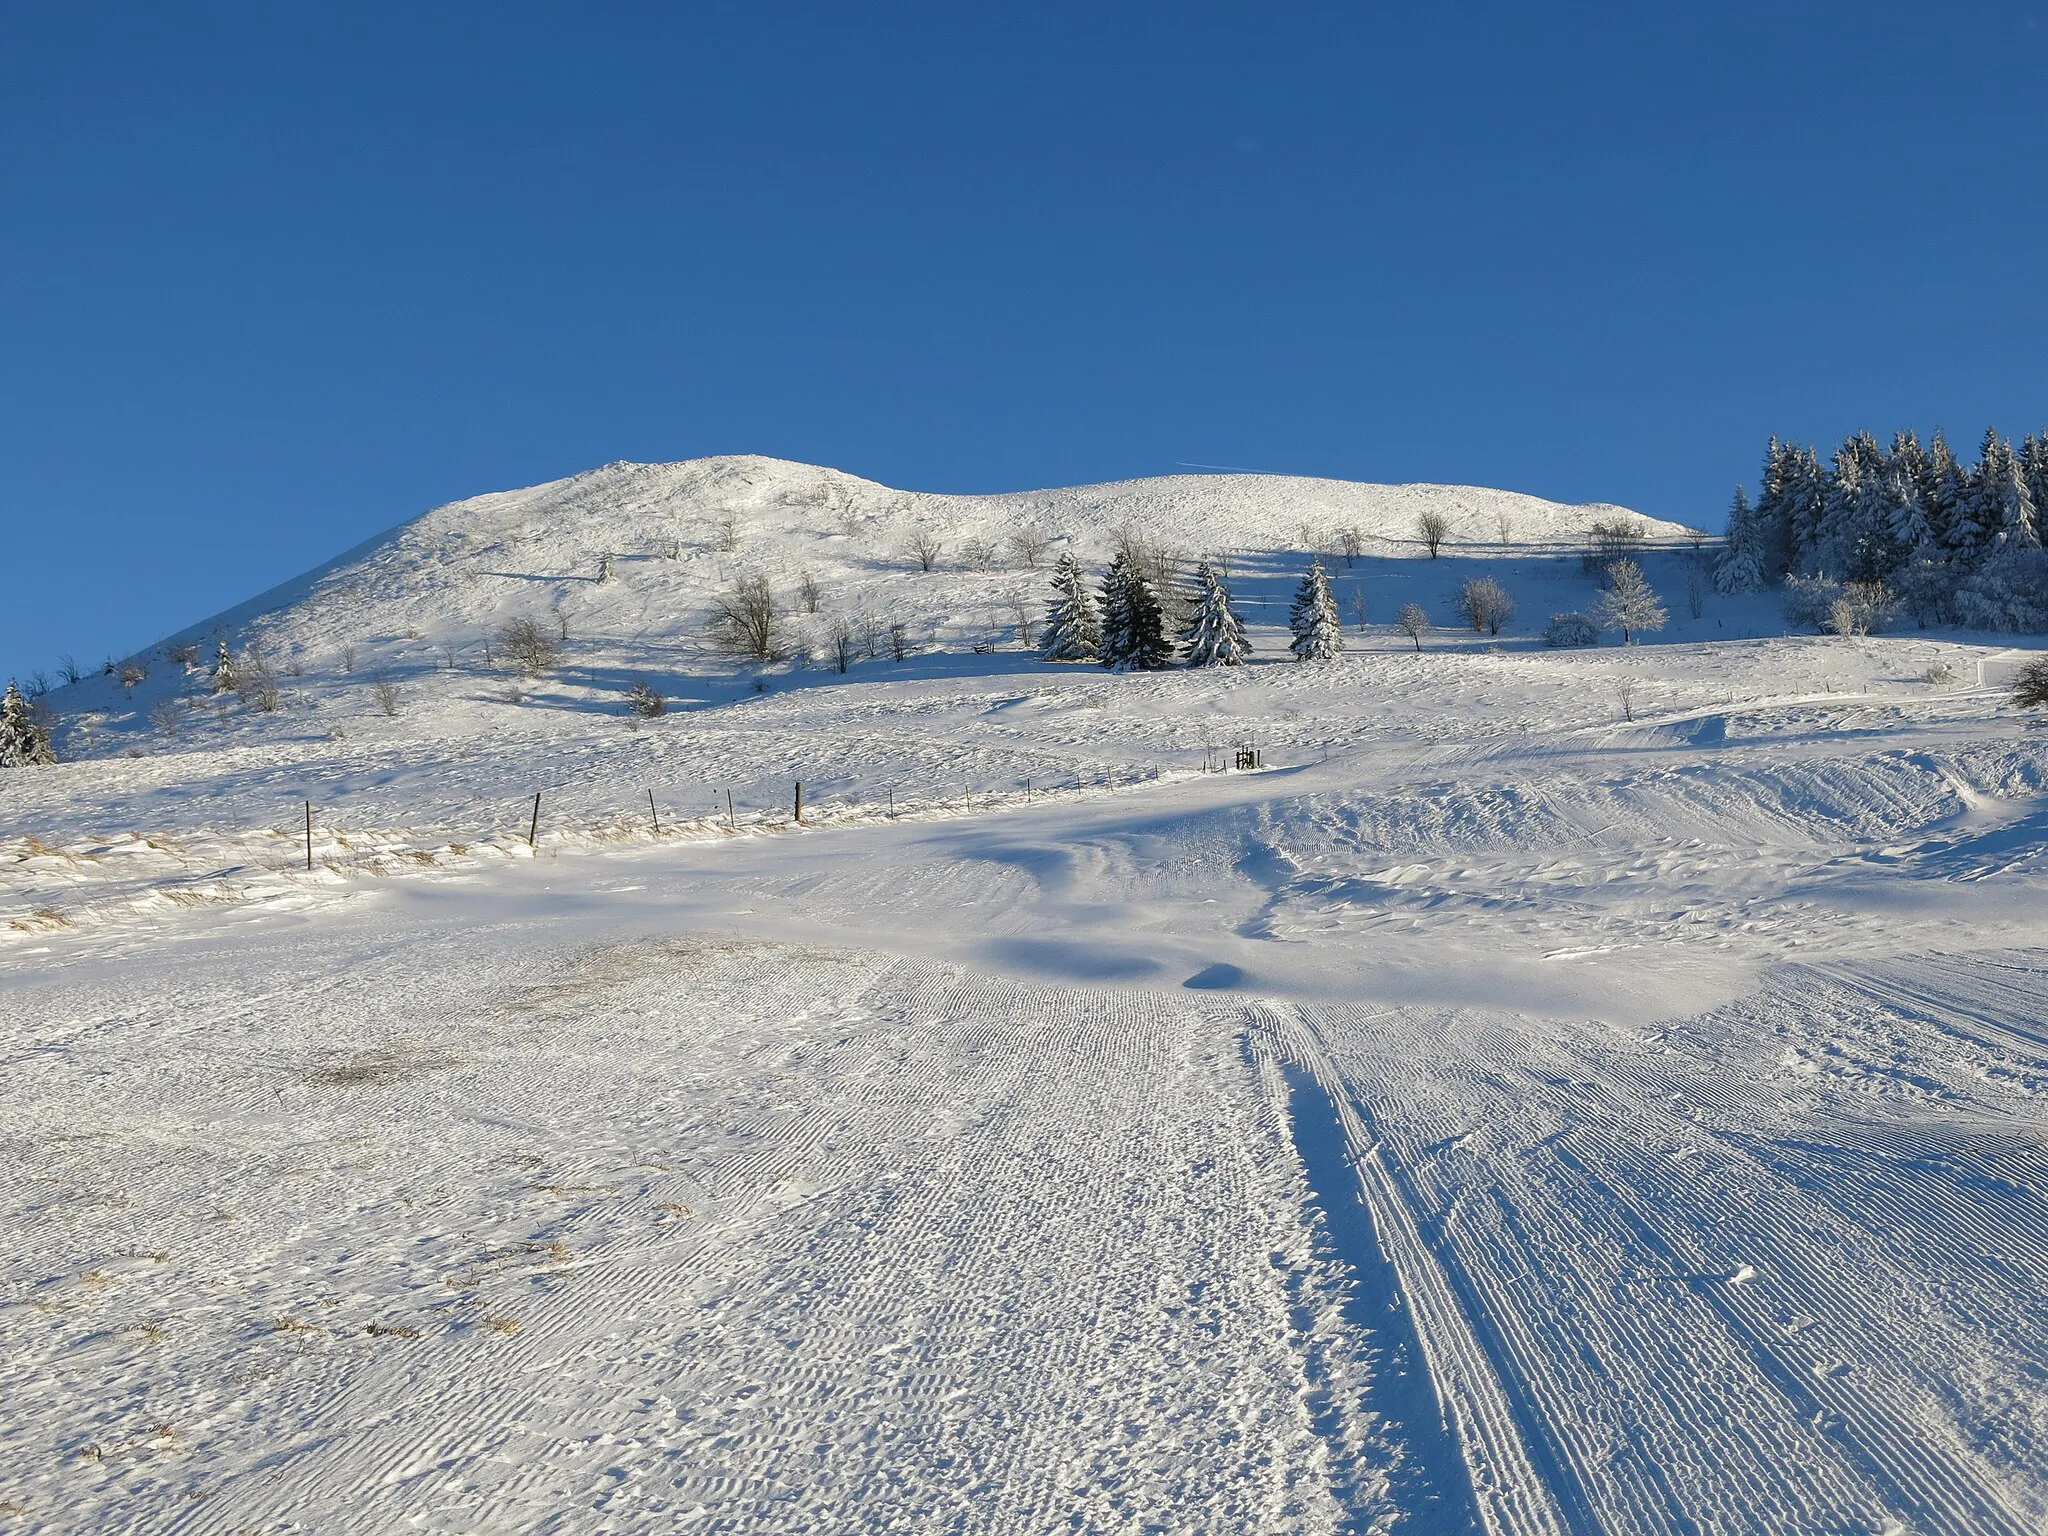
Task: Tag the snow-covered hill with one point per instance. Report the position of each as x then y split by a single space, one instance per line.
1586 1091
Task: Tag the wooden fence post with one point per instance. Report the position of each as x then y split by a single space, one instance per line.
533 827
657 813
732 819
309 837
799 801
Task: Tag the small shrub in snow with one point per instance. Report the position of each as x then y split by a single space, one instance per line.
1570 629
1609 539
167 716
2030 688
646 703
1810 600
255 683
1485 605
1028 547
529 647
389 696
1864 608
1938 672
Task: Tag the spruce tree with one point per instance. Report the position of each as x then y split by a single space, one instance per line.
1318 632
1770 518
1133 629
2003 501
1215 635
1942 490
1741 568
1805 492
2034 467
23 743
223 680
1073 624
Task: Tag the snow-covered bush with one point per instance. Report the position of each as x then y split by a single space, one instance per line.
528 647
646 703
1927 590
1570 629
2030 688
1810 600
2009 591
1485 605
1864 608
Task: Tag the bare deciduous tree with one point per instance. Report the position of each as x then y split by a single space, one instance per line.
1625 696
744 620
1432 528
1029 546
845 640
979 553
1609 539
924 547
1025 613
725 533
1358 606
1413 622
1485 605
529 647
167 716
389 696
1351 542
1504 527
68 669
348 658
255 682
1697 581
808 591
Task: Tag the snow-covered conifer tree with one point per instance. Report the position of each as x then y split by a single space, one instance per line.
223 680
1318 632
22 741
1215 635
2003 501
1629 604
1133 628
1073 624
2034 467
1741 568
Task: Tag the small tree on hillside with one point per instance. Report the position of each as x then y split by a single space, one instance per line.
223 679
1485 605
1133 628
1318 632
1215 635
1629 604
1412 621
744 620
528 646
924 547
1434 528
23 741
1073 624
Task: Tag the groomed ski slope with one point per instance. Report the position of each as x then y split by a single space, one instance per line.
1497 1115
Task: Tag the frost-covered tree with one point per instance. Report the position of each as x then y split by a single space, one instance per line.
1629 604
1133 628
2003 499
2034 469
1741 567
1318 632
223 679
1485 605
23 742
1073 624
1413 621
1215 635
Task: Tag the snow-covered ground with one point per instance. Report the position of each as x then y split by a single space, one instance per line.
1497 1114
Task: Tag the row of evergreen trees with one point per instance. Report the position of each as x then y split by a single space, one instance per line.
1913 518
1125 627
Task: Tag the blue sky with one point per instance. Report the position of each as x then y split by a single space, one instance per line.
274 278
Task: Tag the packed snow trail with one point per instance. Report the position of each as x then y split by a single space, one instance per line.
1230 1157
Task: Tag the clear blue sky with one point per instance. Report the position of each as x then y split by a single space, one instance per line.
275 277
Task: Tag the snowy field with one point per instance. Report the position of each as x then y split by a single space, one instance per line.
1494 1115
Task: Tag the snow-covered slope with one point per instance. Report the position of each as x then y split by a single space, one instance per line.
1563 1091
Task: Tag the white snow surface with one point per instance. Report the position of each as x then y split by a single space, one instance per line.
1497 1114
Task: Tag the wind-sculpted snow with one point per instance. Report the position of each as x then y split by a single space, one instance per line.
1589 1092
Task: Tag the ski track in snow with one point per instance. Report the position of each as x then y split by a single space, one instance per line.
1499 1116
